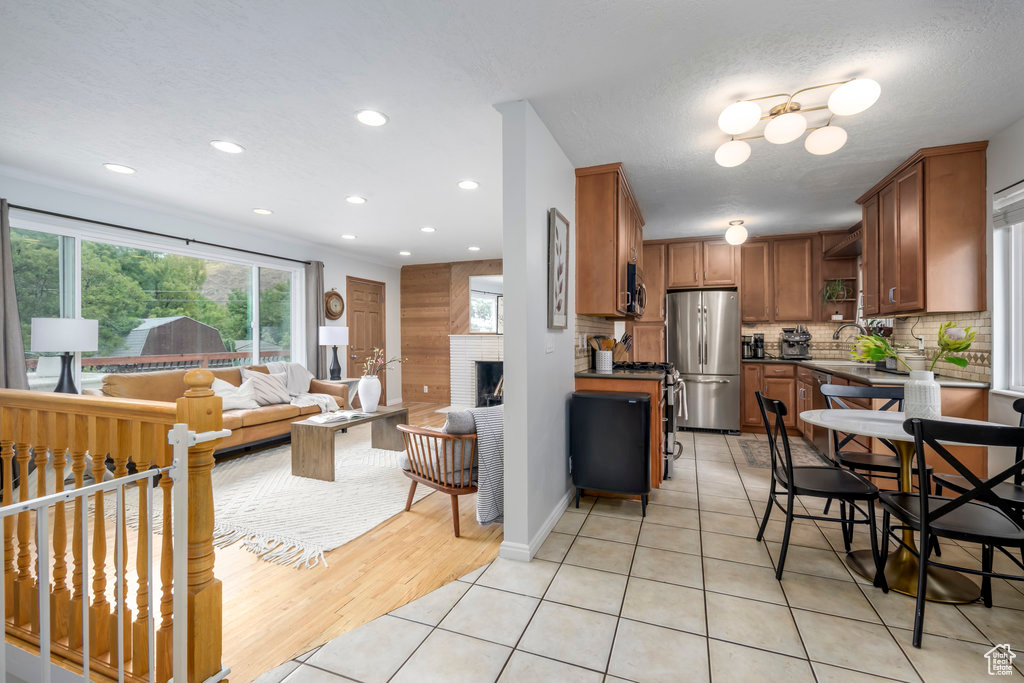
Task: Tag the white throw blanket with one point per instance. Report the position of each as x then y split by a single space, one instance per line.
490 443
297 380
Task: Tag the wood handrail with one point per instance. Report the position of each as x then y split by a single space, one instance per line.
158 412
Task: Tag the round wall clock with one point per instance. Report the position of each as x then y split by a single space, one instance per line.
334 305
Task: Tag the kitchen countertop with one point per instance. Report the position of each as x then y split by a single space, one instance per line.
866 373
622 373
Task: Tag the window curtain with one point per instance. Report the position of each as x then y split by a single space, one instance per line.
316 355
12 351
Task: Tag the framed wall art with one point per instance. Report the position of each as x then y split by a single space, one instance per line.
558 270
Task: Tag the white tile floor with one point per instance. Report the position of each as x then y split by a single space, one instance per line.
685 594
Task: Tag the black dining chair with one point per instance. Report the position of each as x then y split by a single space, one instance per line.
823 481
1011 493
977 515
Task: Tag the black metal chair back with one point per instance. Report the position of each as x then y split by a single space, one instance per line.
1018 405
835 393
931 432
782 460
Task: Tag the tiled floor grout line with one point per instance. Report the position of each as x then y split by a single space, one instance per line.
703 569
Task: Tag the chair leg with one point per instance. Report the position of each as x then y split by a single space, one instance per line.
846 526
577 497
785 537
987 560
883 554
828 506
643 505
873 530
922 589
455 514
412 492
767 512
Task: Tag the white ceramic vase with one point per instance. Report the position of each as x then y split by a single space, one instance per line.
922 396
369 393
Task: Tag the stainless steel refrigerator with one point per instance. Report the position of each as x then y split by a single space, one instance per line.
704 344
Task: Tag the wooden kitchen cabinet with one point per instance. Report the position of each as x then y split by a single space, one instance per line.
702 263
751 380
755 282
931 215
869 257
793 281
773 380
609 235
804 401
684 264
719 261
654 280
648 342
782 389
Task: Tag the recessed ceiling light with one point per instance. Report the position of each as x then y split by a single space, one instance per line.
427 228
348 237
118 168
405 253
355 199
474 248
263 212
469 184
369 117
225 146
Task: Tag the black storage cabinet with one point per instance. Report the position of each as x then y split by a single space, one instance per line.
609 443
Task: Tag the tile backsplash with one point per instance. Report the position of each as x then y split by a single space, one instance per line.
822 344
590 326
979 358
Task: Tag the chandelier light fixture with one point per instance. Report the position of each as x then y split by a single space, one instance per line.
786 121
736 234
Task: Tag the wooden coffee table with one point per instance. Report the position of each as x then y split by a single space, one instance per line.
313 444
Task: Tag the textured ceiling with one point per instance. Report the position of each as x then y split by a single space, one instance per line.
148 84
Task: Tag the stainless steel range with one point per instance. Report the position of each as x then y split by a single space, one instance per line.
673 387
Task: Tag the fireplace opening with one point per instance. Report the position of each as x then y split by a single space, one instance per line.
490 378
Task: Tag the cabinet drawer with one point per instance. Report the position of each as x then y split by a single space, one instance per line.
805 374
773 370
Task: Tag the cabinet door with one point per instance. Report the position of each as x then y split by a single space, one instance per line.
755 282
719 264
649 342
684 264
888 250
750 413
783 389
869 256
623 244
910 222
792 279
804 401
653 262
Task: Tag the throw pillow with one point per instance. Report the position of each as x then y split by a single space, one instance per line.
459 422
269 389
235 398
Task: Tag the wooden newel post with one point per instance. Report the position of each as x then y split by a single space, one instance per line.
201 410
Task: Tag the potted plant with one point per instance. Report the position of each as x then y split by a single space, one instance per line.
369 383
836 291
922 394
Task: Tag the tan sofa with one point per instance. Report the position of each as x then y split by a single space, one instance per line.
247 426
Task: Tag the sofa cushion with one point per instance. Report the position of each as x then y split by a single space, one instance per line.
265 414
233 419
309 410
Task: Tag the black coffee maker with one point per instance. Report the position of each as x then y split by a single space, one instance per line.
758 346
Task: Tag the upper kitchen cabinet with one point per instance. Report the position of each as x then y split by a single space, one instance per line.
924 234
609 237
756 279
653 259
793 268
701 263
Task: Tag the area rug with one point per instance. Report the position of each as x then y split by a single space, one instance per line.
757 453
292 520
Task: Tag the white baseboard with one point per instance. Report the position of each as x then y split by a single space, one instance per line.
523 552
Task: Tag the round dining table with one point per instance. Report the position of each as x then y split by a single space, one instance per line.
901 567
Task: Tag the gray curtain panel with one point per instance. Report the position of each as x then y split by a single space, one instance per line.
316 355
12 351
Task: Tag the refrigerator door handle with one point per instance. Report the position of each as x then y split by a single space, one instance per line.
700 340
705 328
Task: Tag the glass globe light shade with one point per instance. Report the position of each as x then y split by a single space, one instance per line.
825 140
739 117
785 128
732 153
854 96
736 234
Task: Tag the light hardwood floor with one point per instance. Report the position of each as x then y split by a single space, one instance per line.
273 613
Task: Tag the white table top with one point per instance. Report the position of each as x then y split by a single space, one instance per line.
882 424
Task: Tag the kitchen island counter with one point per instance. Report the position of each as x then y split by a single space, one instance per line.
866 373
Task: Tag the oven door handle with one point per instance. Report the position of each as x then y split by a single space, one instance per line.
708 381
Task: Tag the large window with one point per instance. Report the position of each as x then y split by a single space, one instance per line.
1016 308
1008 292
157 308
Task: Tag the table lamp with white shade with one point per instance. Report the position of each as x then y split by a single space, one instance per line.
334 336
66 336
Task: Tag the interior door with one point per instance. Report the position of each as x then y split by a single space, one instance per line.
366 329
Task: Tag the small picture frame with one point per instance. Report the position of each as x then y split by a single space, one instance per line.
558 270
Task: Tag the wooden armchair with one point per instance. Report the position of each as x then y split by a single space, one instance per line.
445 462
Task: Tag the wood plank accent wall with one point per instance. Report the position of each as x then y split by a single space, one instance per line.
435 304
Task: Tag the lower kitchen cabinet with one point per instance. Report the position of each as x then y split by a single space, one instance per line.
773 380
804 401
752 380
783 389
